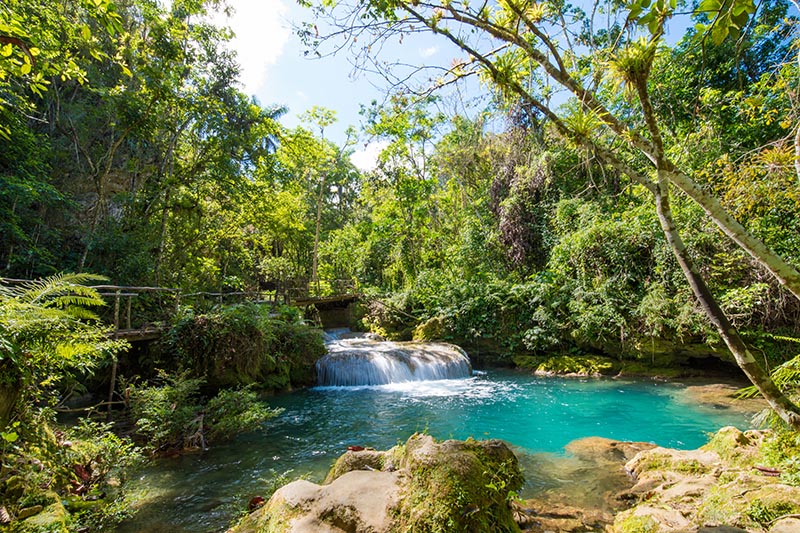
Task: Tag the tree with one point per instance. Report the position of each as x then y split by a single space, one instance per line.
521 48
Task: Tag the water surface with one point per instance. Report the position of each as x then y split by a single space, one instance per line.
204 492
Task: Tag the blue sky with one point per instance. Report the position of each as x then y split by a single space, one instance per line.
276 72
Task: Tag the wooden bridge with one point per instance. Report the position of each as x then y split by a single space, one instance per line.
155 306
170 300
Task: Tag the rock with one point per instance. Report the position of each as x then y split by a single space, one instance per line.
358 501
601 449
568 365
361 460
661 519
714 489
723 396
559 517
53 518
786 525
29 512
413 487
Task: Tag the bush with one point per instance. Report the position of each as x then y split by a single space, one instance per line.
244 345
82 470
173 416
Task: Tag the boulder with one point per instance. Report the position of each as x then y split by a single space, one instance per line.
358 501
713 489
422 485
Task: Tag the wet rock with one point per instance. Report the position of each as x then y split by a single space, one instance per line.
723 396
537 518
601 449
413 487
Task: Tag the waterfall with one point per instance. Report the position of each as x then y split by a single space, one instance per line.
361 361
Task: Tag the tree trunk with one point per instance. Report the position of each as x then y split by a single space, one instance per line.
315 258
782 406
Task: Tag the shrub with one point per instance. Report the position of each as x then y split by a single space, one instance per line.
172 415
85 467
243 345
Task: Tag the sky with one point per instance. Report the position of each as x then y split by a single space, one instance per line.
276 72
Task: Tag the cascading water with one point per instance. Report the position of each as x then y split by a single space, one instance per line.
364 361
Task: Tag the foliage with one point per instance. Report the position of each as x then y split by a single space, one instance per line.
172 415
782 451
86 465
47 336
243 345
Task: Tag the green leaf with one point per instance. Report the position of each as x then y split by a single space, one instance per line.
86 33
25 68
709 6
718 33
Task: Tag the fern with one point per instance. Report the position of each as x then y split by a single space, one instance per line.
47 334
61 291
786 376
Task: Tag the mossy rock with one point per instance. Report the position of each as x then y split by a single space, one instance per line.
458 486
52 519
636 524
636 369
576 365
362 460
432 329
737 448
423 486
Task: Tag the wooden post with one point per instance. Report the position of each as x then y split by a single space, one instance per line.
128 316
113 383
112 386
116 309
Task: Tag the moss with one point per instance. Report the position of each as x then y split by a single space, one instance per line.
748 502
458 487
640 369
764 513
636 524
733 447
276 517
430 330
585 365
349 461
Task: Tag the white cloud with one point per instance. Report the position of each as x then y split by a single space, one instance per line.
428 52
260 37
367 159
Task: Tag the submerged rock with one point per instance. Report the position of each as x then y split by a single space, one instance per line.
422 485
